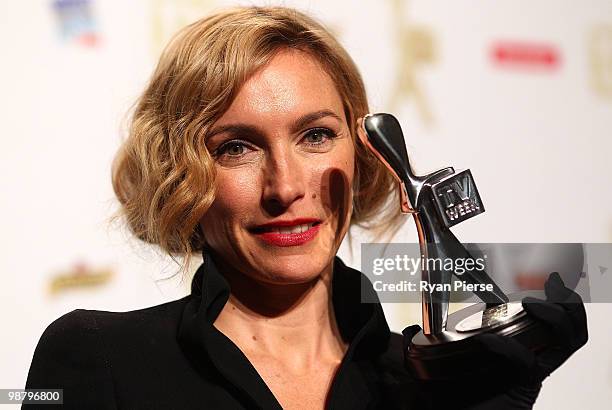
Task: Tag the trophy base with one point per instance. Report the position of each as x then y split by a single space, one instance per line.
453 353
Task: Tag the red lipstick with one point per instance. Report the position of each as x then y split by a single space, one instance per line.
272 234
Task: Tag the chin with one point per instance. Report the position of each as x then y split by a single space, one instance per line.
294 269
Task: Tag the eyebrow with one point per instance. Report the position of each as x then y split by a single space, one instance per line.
299 124
304 120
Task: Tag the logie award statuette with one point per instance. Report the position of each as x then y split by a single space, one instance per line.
445 347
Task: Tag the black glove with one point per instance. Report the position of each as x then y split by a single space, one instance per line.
564 314
521 370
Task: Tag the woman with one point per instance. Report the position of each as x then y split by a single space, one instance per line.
243 146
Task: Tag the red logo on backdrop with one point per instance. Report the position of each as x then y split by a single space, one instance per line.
525 55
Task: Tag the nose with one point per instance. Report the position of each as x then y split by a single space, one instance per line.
284 180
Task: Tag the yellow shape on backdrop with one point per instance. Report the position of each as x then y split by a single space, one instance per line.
600 56
416 48
80 276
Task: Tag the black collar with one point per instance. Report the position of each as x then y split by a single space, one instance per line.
362 325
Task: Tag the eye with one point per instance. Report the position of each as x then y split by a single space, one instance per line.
232 149
319 136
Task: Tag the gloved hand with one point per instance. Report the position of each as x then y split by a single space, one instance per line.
521 370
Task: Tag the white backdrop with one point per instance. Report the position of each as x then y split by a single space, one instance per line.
536 136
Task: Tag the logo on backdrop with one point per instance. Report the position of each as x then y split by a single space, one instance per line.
77 22
525 55
416 49
80 276
600 56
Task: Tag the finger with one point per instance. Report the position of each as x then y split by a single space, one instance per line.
409 333
557 292
569 300
508 349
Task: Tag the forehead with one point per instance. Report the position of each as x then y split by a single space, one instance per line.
292 83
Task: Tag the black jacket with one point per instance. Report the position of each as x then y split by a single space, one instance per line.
171 357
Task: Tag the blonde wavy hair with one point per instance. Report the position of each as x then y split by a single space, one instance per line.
163 175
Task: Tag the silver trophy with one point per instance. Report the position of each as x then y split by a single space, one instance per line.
437 202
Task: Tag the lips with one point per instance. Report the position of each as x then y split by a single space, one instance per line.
288 233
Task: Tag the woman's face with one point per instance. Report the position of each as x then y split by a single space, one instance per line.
285 160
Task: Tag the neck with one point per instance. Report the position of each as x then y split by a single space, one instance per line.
294 323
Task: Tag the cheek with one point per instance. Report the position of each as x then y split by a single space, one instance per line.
237 190
236 196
